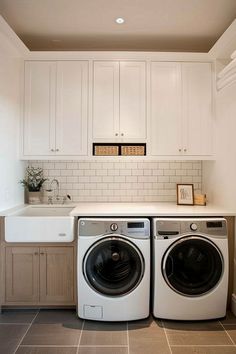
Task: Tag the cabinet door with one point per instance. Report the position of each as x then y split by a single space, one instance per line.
22 274
56 275
39 110
197 108
133 100
105 100
165 108
72 107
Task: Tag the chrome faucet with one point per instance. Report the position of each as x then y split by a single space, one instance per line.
57 187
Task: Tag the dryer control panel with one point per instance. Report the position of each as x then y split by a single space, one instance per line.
136 228
172 227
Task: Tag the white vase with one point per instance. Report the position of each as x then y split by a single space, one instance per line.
34 197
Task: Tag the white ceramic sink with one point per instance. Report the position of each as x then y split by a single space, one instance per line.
40 224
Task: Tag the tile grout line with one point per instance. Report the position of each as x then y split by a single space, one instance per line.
73 346
167 339
15 324
226 332
128 336
203 345
48 346
26 331
78 345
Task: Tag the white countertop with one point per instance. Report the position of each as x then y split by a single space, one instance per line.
134 209
148 209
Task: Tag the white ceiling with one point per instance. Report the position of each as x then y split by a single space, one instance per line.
150 25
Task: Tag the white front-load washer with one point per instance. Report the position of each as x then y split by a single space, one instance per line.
113 268
190 268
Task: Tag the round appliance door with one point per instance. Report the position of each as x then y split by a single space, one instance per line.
113 266
192 266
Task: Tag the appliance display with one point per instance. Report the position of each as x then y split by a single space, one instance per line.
113 269
190 268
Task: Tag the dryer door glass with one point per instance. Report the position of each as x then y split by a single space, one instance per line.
192 266
113 266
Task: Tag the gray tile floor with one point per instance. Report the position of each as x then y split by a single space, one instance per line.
61 332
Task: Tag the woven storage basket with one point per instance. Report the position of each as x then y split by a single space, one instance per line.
100 150
132 150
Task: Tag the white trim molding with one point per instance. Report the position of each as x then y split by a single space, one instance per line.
227 76
18 48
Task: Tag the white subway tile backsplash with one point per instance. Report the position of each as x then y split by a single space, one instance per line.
72 166
122 181
114 172
125 172
137 172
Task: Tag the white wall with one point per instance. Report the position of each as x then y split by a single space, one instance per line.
11 169
219 177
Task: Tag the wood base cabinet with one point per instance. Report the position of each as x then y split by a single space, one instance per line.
40 275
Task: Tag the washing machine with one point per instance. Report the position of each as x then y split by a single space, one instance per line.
113 269
190 268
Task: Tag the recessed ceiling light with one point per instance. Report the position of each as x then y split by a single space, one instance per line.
120 20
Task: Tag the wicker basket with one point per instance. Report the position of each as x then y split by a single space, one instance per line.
100 150
132 150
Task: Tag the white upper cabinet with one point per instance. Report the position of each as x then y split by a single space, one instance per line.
56 104
181 109
197 108
119 100
72 106
39 108
105 99
165 108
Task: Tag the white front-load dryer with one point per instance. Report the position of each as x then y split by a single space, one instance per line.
190 268
113 268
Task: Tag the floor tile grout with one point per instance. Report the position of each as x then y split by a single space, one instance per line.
80 336
167 339
47 346
26 332
15 324
128 336
203 345
227 332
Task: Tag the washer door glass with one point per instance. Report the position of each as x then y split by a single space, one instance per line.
192 266
113 266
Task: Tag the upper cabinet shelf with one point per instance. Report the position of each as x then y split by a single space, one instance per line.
55 111
119 101
71 104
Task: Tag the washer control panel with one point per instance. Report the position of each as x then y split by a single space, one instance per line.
114 227
137 228
193 227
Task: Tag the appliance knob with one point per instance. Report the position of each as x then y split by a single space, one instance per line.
193 227
114 227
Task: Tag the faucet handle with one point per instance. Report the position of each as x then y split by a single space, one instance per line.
50 199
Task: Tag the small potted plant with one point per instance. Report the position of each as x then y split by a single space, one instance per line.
33 182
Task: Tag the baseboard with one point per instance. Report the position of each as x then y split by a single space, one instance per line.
233 304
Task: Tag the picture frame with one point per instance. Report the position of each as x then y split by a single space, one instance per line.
185 194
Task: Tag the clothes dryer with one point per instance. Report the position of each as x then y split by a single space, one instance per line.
190 268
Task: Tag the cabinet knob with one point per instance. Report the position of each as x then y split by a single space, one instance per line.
36 253
180 150
185 150
116 134
52 150
42 253
57 149
122 134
